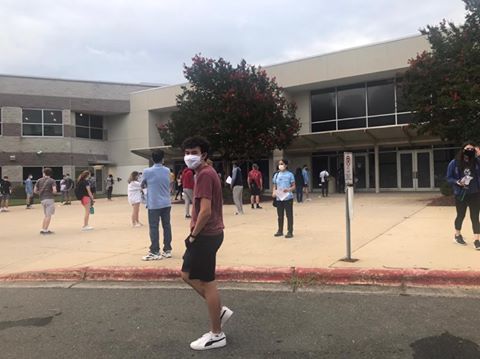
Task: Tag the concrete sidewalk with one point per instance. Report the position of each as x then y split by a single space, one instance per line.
395 231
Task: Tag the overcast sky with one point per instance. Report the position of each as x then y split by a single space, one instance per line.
150 40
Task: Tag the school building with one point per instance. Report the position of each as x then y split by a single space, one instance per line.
349 100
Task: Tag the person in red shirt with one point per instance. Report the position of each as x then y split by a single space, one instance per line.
188 185
204 240
255 183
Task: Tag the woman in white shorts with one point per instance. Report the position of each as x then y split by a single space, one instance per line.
135 197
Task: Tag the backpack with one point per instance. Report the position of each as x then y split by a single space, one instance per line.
78 194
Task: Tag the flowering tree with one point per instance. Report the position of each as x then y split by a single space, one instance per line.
443 86
240 110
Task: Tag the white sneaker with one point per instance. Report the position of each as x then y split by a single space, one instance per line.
167 254
209 341
136 225
86 228
225 315
151 257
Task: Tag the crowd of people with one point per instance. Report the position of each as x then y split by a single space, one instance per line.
201 188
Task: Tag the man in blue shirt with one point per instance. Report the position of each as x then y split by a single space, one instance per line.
157 181
306 182
29 191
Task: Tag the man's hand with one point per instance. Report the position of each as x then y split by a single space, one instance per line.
189 240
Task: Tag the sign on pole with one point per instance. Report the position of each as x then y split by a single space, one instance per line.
348 168
348 172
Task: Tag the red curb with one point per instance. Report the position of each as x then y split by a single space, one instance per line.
294 276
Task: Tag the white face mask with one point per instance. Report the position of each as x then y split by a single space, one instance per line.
281 167
192 161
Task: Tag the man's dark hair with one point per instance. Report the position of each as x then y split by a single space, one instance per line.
157 156
196 141
47 171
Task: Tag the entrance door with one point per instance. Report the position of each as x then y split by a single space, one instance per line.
99 179
415 170
360 171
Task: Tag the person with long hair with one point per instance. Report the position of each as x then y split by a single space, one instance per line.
283 187
135 197
86 197
463 174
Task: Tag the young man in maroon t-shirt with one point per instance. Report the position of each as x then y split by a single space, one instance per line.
204 240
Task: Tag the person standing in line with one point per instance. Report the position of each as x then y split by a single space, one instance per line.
156 180
463 174
46 188
188 184
283 187
109 185
92 182
29 191
5 193
84 193
299 184
205 238
255 183
63 189
135 197
324 182
237 188
179 186
68 191
306 181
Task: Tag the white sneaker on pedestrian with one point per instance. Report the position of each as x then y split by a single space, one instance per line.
136 225
86 228
152 257
167 254
209 341
225 315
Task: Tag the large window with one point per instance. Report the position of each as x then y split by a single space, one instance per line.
42 123
89 126
37 173
381 103
361 105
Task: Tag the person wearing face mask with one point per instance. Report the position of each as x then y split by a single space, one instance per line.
29 191
463 174
156 180
237 188
204 240
283 186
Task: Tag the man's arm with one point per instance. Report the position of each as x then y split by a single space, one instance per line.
203 216
54 188
35 189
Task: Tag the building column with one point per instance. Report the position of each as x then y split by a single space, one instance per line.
377 169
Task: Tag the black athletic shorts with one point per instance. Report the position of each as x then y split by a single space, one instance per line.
200 257
254 189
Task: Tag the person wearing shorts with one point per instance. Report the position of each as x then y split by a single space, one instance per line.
255 183
86 197
46 188
204 240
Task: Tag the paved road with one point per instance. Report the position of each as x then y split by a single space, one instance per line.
153 322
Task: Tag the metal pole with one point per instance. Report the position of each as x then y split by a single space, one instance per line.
347 216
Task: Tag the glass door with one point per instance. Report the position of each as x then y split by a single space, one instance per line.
423 170
360 171
415 170
406 171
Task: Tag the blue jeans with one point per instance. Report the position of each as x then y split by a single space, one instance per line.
154 216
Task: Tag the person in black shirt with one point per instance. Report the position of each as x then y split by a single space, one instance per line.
5 192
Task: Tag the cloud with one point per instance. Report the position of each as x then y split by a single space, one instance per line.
148 40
